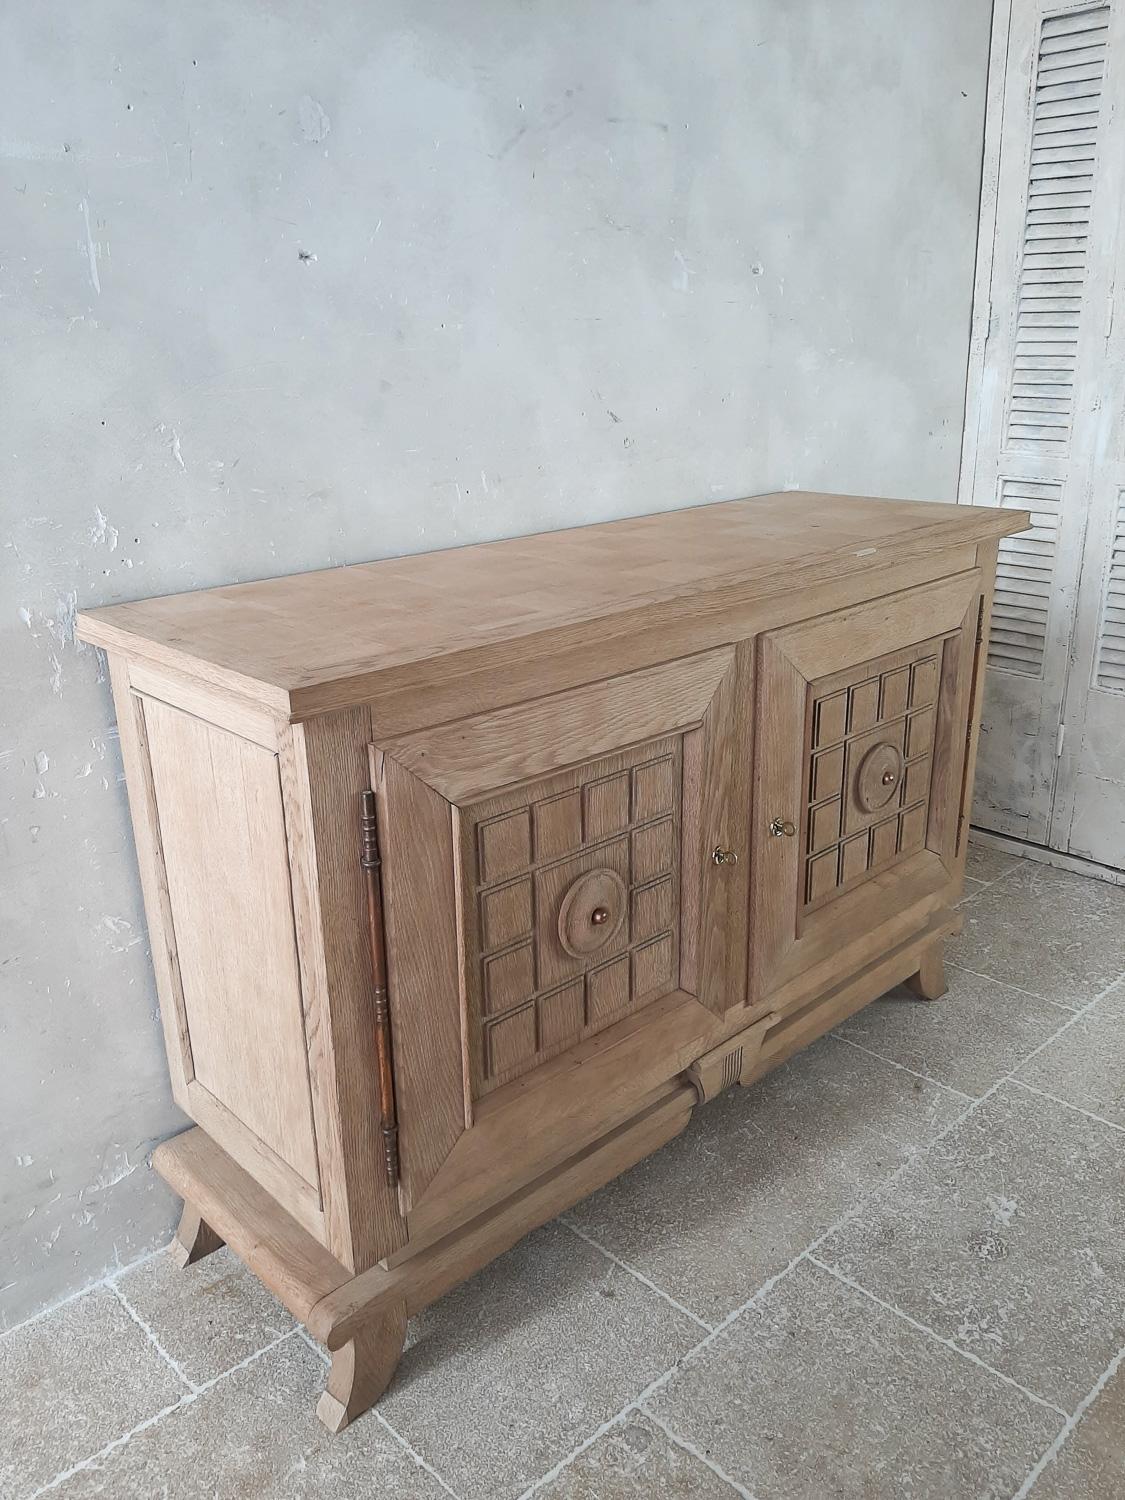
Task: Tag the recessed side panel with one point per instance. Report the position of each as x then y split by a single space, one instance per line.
222 832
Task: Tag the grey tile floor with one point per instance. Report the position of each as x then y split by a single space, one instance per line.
894 1267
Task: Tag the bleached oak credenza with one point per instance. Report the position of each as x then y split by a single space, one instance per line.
471 875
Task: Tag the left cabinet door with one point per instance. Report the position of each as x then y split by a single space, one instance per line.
553 898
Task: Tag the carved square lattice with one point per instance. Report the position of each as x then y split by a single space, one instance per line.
870 758
571 906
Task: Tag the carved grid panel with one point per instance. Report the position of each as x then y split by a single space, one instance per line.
870 760
571 901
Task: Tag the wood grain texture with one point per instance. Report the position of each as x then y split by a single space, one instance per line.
726 756
833 1005
951 748
154 879
238 1140
833 642
289 1187
325 768
466 759
533 862
779 733
536 1121
195 1239
873 720
245 719
424 970
362 1367
826 683
432 1271
297 1270
465 1013
693 845
222 829
987 554
562 734
730 1063
319 641
930 894
422 694
928 982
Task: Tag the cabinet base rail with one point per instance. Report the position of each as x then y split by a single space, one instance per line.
361 1318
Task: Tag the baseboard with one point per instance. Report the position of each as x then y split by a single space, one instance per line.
1041 855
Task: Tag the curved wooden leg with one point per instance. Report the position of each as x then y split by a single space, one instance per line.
194 1238
929 982
362 1369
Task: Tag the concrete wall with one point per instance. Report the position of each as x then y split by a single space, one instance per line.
293 284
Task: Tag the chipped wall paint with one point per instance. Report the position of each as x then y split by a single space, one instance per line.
287 287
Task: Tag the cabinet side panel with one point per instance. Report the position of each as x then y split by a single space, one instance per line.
222 829
154 886
987 559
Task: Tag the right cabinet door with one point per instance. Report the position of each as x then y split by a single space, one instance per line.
861 732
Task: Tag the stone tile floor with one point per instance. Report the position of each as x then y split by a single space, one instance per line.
894 1267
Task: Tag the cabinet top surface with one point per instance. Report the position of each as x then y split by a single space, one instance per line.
282 638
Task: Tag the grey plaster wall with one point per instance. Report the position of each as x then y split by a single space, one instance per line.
291 284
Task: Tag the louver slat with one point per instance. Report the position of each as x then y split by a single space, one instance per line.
1056 229
1059 27
1054 61
1110 673
1017 641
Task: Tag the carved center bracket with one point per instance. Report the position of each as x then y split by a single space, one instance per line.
733 1061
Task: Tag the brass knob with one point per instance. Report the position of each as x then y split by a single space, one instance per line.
599 916
782 828
721 856
889 778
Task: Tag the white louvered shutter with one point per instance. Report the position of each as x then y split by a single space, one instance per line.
1110 668
1017 641
1066 113
1041 313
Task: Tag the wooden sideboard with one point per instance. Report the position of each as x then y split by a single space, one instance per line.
471 875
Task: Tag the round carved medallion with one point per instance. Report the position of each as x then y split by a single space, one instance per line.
592 912
878 778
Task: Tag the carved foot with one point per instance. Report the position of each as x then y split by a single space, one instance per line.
362 1369
194 1238
929 982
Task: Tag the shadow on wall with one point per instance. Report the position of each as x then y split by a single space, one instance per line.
440 274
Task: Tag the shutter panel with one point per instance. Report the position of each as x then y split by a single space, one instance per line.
1110 672
1025 568
1064 129
1047 374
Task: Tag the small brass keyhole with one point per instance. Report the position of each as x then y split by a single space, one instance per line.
599 916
